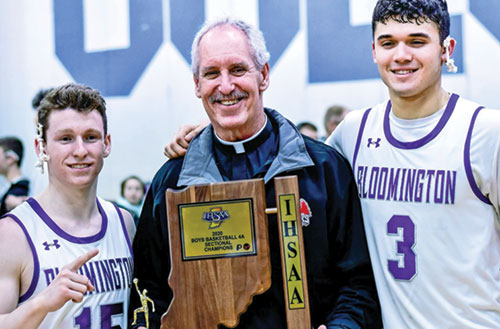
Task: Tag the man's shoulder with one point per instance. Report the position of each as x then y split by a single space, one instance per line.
321 153
168 174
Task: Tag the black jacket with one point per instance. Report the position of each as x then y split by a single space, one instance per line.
340 279
17 188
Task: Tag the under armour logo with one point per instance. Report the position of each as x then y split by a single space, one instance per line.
54 244
372 142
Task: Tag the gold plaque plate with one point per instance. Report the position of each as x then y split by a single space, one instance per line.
217 229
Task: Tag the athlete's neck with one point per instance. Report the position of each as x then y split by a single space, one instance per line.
420 106
74 210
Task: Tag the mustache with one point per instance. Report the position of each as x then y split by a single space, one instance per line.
219 97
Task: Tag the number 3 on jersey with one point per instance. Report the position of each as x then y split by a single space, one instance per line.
404 247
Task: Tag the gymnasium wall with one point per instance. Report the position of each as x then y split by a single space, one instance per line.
137 53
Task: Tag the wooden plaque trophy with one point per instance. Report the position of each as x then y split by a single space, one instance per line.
219 251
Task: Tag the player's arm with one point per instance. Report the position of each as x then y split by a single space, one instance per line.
129 223
13 261
494 139
177 147
485 156
16 264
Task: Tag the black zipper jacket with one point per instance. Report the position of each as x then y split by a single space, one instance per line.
341 287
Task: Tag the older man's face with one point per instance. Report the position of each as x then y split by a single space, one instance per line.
229 84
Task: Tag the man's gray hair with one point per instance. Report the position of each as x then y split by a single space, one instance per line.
255 38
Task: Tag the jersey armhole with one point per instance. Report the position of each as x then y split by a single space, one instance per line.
36 263
467 161
124 228
358 140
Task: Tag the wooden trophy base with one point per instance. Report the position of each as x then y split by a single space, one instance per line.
219 253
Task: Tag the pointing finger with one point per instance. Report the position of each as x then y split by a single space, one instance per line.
80 260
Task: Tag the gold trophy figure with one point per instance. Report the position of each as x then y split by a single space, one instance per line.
144 302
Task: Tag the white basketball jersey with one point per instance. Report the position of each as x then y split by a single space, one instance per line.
434 238
110 271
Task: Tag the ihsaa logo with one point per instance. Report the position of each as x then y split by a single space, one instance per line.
216 216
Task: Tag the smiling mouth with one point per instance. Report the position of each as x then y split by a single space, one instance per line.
229 102
79 166
403 72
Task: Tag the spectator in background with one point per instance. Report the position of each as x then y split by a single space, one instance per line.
308 128
131 196
11 157
333 116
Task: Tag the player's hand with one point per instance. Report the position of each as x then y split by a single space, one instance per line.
178 145
68 284
322 327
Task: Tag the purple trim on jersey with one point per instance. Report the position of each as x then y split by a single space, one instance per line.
57 230
36 262
426 139
122 221
360 135
467 165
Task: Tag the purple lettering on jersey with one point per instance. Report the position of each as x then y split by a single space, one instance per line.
359 180
382 183
420 185
430 174
439 187
88 268
126 265
414 185
49 275
450 186
130 263
119 261
393 184
107 275
410 184
362 170
402 185
372 188
96 263
116 274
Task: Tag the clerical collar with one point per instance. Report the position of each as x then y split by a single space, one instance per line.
249 143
